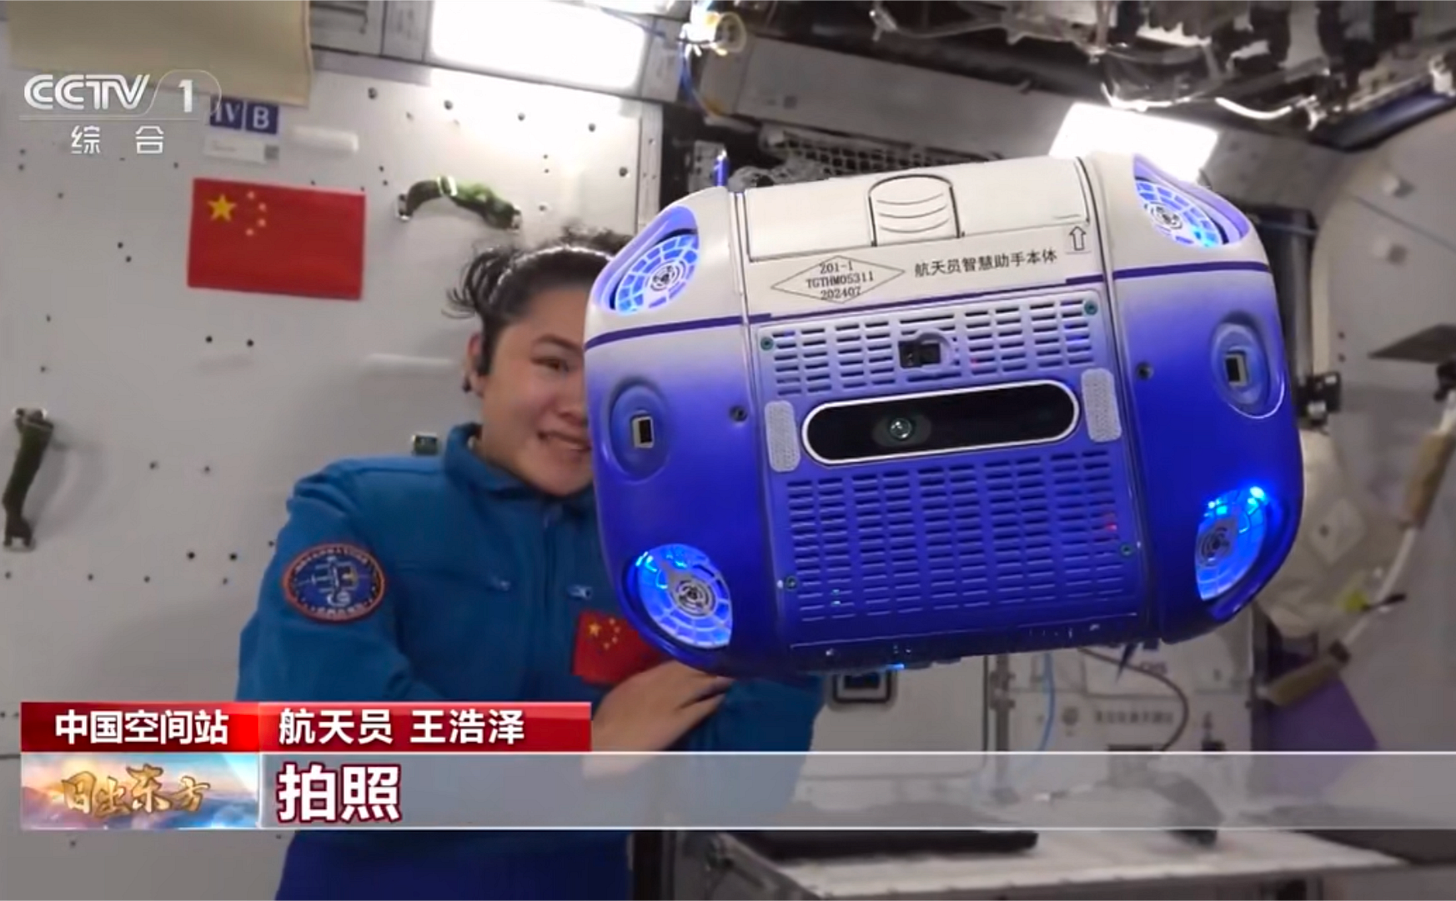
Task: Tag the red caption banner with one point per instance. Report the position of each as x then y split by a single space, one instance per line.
190 727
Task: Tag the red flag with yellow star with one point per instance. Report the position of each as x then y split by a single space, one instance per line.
609 650
270 239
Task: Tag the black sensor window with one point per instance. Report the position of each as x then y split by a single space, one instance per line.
642 432
958 420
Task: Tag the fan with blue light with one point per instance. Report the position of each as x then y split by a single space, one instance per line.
685 595
1230 538
658 275
1178 216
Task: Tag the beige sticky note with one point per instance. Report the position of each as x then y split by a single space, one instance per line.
258 51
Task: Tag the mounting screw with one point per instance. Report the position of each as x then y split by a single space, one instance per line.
1090 308
766 343
1127 550
1386 249
1392 185
791 582
738 414
1144 370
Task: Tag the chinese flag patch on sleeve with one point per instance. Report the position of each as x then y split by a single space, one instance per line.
608 650
270 239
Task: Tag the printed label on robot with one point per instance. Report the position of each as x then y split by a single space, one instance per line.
1030 257
838 279
1079 239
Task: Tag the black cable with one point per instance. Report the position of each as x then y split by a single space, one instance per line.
1186 708
650 852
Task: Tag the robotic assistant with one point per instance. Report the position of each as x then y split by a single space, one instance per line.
899 419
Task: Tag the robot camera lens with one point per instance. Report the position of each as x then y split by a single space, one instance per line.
898 430
901 428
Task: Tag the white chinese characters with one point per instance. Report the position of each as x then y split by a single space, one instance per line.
444 728
507 726
149 139
350 793
469 727
309 727
86 140
143 727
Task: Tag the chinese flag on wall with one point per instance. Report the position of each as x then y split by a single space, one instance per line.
609 650
269 239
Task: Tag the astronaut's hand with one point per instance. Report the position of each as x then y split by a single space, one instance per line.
653 709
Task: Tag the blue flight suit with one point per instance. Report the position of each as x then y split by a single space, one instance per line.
468 586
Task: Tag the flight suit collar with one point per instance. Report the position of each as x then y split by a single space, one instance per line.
463 465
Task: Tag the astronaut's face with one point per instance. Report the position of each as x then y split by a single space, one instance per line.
532 403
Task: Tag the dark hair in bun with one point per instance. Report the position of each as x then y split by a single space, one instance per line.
499 283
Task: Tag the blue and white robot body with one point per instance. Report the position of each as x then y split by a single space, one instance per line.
893 420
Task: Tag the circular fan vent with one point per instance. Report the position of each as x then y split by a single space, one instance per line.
1179 216
685 595
658 275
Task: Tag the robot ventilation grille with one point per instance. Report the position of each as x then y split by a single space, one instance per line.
1229 540
685 595
1178 216
658 275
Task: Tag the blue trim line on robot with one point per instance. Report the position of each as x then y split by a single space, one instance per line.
734 321
668 328
1178 268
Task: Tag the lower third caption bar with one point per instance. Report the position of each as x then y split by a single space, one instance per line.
493 790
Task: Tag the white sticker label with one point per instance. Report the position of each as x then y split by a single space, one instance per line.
329 140
239 149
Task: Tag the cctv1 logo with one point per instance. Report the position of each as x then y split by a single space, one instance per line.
102 96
